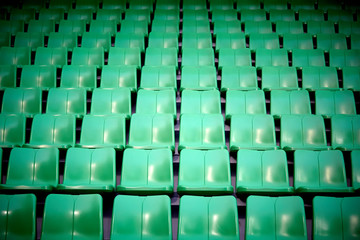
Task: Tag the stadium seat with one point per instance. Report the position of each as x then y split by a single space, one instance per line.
24 15
146 172
306 15
103 27
11 27
112 15
262 172
131 214
111 101
329 103
153 102
230 40
80 14
165 26
77 27
320 27
351 78
308 58
15 56
12 129
271 57
201 102
198 78
267 41
196 26
124 57
88 56
298 41
279 78
41 26
275 218
39 170
138 15
248 4
221 5
118 77
197 57
344 132
31 40
52 131
255 132
355 41
230 27
161 57
82 216
204 172
89 170
284 102
194 5
62 40
355 166
244 102
96 40
253 15
275 5
134 27
320 171
165 14
302 4
163 40
62 101
158 78
349 28
21 101
152 131
228 14
333 217
51 14
320 78
208 217
128 40
262 27
51 56
87 4
43 77
168 5
303 132
331 41
18 216
7 76
198 15
112 133
238 78
234 57
78 76
344 58
286 15
65 5
202 131
339 15
114 4
196 40
327 5
285 27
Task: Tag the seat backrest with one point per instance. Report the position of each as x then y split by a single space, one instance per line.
241 102
22 101
12 130
7 76
66 101
88 56
78 76
344 132
51 56
158 78
33 76
15 56
118 77
152 102
203 102
289 102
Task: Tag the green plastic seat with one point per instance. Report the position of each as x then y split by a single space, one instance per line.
255 132
112 134
320 171
138 15
202 102
302 4
88 56
333 218
208 218
134 27
39 170
303 132
21 101
275 5
62 40
89 170
275 218
51 56
244 102
202 132
146 172
306 15
32 40
118 77
15 56
204 172
22 14
62 101
80 14
5 39
61 4
165 14
298 41
112 15
287 15
355 166
78 76
7 76
248 4
238 78
284 102
262 27
320 78
196 26
92 5
165 26
349 28
331 41
271 57
128 40
222 26
163 40
344 58
153 102
254 15
262 172
152 131
225 14
43 77
41 26
12 129
194 5
234 57
355 41
52 131
221 5
124 57
111 101
286 27
230 40
11 27
161 57
77 27
344 132
114 4
267 41
81 217
351 78
131 214
339 15
103 27
158 78
329 103
167 5
198 57
329 5
279 78
196 40
51 14
198 78
96 40
198 15
18 218
308 58
320 27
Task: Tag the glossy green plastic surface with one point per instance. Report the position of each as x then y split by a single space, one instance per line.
198 14
41 26
18 217
61 4
234 57
311 15
349 28
238 78
91 5
355 41
15 56
351 78
24 15
7 76
109 15
267 41
129 40
5 39
247 4
89 170
308 58
204 172
158 78
80 15
230 40
114 4
203 102
66 101
298 41
197 57
244 102
143 218
161 57
88 56
331 41
198 78
279 5
255 15
345 132
81 217
222 12
11 27
334 218
152 131
29 39
196 26
289 102
62 40
208 218
275 218
355 166
12 130
319 78
96 40
103 27
51 56
167 11
271 57
77 27
43 77
281 14
292 27
146 172
227 27
119 77
320 27
252 132
329 103
39 169
52 131
196 40
262 27
51 14
165 26
138 15
124 57
78 76
21 101
279 78
137 27
344 58
194 5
